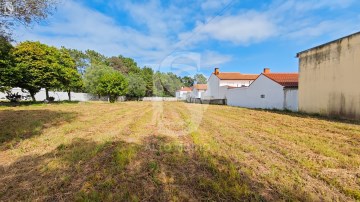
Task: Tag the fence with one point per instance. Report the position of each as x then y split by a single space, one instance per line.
210 101
82 97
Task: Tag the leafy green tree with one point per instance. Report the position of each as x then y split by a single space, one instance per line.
137 86
96 58
69 77
31 65
166 84
113 84
41 66
82 61
200 79
7 72
124 65
188 81
130 64
147 75
92 77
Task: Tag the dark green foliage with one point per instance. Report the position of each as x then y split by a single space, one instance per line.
112 84
96 58
124 65
7 75
81 59
147 75
188 81
200 79
137 86
166 84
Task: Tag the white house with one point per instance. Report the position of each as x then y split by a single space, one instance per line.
183 93
198 90
268 91
219 82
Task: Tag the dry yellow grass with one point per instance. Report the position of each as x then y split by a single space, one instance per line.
142 151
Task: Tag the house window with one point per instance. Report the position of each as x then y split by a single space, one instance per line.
262 96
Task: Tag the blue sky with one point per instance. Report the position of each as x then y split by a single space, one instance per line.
189 37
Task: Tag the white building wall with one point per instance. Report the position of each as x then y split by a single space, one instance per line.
195 93
250 97
182 95
213 88
291 99
217 88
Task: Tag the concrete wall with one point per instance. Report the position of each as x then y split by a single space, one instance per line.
251 97
291 99
61 96
329 81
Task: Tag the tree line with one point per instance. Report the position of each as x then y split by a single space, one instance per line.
34 65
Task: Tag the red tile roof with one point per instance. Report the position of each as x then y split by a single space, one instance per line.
200 86
188 89
284 79
236 76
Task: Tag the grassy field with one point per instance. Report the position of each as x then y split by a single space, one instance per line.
142 151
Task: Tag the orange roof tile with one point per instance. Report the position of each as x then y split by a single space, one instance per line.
284 79
236 76
185 89
200 86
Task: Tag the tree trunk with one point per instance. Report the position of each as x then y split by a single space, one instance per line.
69 95
32 94
47 93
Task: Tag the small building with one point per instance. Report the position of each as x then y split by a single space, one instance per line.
329 78
268 91
183 93
219 82
198 90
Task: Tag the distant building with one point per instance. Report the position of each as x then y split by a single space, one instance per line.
329 78
183 93
268 91
219 82
198 90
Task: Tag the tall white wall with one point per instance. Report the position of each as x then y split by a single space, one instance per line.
291 101
60 96
250 97
213 88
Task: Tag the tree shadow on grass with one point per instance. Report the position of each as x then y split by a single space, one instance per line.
22 124
158 169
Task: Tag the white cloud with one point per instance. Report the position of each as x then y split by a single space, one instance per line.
157 18
244 28
76 26
210 59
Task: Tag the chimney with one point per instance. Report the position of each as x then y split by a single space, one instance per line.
266 70
216 72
